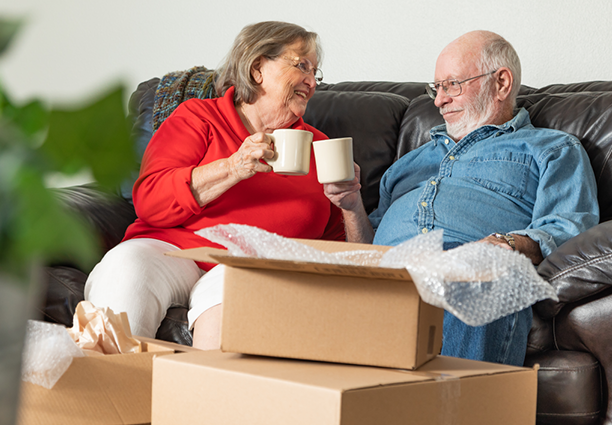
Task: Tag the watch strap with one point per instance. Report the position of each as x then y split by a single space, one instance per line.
507 237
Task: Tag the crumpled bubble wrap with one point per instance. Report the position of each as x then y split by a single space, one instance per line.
248 241
476 282
47 354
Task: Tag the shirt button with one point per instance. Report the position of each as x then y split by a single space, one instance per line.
446 142
424 230
452 158
424 204
433 182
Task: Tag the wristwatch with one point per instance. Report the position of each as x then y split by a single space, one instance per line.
507 237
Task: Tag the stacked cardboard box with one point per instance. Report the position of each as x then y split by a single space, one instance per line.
369 348
213 388
101 389
328 312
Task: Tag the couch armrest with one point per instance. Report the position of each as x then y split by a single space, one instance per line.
108 214
578 269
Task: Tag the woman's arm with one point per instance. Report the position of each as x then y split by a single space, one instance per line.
210 181
173 186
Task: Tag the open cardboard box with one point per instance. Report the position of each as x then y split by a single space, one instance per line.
211 387
101 389
327 312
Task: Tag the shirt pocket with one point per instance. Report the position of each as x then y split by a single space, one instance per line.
502 172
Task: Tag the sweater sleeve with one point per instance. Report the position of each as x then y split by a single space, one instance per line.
162 194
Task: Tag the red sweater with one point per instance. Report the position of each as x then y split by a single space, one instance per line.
200 132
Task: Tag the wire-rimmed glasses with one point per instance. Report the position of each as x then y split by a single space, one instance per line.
304 65
451 87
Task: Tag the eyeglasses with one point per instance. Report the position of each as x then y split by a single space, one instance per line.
451 87
306 67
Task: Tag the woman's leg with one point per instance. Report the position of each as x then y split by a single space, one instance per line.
137 278
206 309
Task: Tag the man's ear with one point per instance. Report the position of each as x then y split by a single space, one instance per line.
503 83
256 73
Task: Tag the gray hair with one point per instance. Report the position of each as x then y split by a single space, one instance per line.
264 39
497 53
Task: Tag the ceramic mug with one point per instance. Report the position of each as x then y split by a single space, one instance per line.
291 151
334 159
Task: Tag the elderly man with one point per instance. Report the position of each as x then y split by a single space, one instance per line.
486 175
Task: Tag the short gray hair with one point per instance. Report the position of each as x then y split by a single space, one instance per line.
497 53
264 39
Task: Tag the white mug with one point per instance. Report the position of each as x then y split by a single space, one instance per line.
334 159
291 151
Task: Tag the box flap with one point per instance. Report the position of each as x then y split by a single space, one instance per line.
214 255
151 345
452 366
331 376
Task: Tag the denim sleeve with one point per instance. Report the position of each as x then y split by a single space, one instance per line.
566 202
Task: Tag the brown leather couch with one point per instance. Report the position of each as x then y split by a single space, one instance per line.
570 339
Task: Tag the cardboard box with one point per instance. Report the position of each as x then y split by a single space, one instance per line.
215 388
106 389
337 313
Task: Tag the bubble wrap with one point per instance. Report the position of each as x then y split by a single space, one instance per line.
476 282
47 354
247 241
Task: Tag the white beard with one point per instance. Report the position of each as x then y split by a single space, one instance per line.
476 114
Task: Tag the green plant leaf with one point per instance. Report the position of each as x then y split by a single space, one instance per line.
8 29
30 119
47 230
96 136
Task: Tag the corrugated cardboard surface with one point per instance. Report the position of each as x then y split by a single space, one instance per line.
338 313
376 322
223 388
110 389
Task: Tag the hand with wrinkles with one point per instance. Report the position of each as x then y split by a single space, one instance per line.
246 162
347 197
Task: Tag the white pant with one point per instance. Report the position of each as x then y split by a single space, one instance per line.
137 278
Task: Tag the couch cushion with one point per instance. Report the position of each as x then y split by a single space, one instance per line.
64 287
419 119
372 119
140 115
569 388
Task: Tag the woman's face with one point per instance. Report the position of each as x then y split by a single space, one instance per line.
284 89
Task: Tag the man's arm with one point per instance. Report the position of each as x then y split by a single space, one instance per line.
347 197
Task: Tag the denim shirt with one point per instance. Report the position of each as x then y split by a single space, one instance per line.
511 178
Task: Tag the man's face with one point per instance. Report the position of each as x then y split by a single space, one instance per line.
475 106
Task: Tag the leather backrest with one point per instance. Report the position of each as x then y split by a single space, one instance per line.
389 119
372 119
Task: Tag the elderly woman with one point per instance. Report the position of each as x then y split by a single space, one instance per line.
205 166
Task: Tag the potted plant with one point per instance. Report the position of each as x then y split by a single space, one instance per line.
37 141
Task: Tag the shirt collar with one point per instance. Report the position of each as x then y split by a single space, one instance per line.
520 120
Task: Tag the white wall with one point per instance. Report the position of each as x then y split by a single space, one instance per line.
72 48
